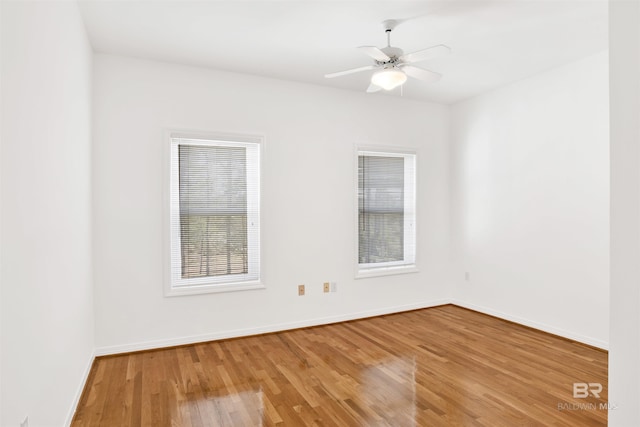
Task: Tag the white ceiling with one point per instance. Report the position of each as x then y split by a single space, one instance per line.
494 42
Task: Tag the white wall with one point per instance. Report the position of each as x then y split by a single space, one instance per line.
308 200
530 189
624 354
47 306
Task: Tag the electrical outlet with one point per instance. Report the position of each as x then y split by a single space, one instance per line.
25 422
326 287
333 287
466 276
300 290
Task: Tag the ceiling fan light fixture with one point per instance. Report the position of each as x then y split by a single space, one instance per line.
389 78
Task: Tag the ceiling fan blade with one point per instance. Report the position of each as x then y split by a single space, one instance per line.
373 88
375 53
426 54
420 73
351 71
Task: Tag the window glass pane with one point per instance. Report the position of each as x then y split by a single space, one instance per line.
213 210
381 202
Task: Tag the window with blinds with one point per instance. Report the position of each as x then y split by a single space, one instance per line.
214 214
386 211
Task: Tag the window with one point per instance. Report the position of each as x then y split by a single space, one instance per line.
214 214
386 212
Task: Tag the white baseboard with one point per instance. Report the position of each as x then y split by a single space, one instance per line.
78 395
277 327
533 324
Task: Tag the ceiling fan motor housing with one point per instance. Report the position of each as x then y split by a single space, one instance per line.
392 52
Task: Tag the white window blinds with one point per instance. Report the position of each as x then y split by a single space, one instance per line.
386 210
215 218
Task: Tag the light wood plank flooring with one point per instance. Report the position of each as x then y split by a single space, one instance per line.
442 366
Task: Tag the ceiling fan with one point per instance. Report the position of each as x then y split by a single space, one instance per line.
393 65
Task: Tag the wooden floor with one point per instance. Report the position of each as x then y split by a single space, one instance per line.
442 366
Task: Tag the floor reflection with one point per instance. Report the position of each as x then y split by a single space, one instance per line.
389 390
242 408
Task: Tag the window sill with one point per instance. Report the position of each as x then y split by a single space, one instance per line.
386 271
211 289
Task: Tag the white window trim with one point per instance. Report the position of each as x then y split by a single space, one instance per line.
393 267
194 286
